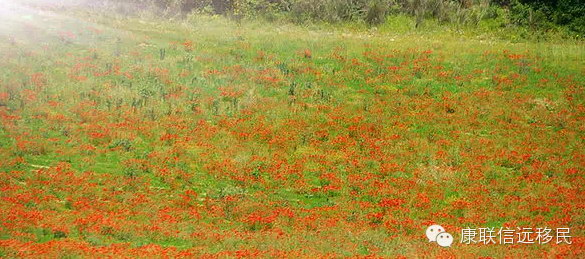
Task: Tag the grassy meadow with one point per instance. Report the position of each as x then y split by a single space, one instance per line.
204 137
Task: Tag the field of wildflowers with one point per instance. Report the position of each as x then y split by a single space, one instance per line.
207 138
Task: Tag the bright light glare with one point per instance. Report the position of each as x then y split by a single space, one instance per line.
35 20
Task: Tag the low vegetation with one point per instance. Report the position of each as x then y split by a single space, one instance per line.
212 137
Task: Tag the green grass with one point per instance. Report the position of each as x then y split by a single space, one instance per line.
286 152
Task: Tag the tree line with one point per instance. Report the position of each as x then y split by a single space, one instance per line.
565 15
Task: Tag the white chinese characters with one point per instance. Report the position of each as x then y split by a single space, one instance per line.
518 235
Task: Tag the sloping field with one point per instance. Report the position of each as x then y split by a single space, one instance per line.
130 138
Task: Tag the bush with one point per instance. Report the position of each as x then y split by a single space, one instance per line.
376 13
546 15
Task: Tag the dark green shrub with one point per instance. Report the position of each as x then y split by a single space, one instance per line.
376 13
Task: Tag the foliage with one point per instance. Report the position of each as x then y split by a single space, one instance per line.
139 138
549 13
533 17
